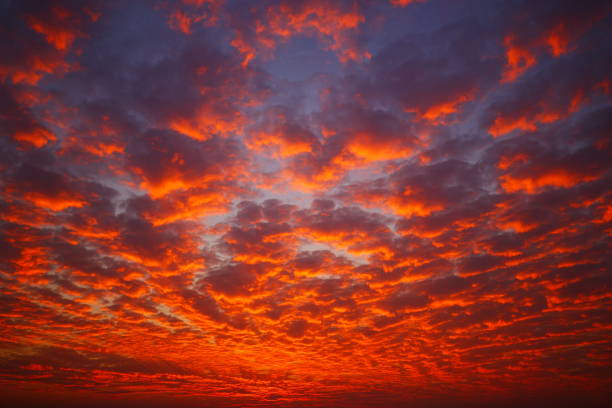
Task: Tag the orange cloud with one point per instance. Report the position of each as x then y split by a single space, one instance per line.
404 3
559 36
181 21
503 125
549 178
57 31
281 136
189 204
558 40
518 60
408 208
206 123
370 147
507 161
37 137
438 112
333 24
58 202
286 147
190 12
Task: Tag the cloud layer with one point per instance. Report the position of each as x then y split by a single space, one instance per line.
305 203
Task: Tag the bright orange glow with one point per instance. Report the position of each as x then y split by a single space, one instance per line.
558 41
58 202
532 184
404 3
503 125
183 126
38 137
181 21
324 19
61 36
286 146
367 146
506 162
518 60
444 109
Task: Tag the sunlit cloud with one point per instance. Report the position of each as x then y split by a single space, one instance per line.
305 203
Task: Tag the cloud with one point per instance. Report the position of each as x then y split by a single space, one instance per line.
305 203
261 29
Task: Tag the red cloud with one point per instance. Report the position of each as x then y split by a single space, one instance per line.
185 223
335 24
558 34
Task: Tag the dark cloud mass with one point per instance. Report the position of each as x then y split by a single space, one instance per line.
305 203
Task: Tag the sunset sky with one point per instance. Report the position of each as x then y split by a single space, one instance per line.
305 203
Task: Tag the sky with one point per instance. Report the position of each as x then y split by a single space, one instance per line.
305 203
